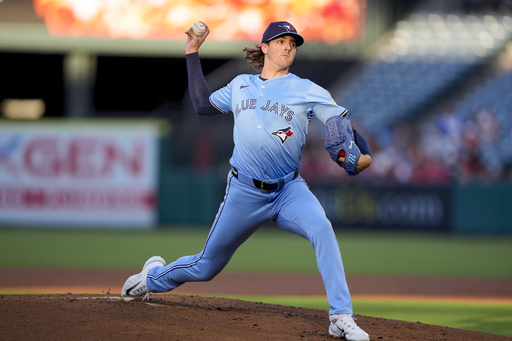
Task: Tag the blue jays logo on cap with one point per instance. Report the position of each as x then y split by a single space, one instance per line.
288 27
281 28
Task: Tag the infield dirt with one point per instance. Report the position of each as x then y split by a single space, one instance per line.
85 305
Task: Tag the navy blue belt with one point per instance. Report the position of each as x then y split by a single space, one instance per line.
265 185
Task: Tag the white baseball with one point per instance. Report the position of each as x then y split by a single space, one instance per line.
199 29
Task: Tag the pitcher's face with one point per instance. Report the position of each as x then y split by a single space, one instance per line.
280 52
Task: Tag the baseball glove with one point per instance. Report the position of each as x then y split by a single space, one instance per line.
339 142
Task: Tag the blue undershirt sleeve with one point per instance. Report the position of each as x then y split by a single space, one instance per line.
361 143
197 87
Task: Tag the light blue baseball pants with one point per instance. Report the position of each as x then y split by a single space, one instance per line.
244 209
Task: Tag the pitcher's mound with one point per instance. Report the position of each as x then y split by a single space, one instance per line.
181 317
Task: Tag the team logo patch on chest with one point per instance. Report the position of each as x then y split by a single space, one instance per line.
283 133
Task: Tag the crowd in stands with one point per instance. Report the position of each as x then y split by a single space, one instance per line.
444 149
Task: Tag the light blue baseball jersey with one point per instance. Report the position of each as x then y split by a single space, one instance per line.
271 120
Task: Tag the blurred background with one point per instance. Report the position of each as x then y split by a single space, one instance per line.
97 128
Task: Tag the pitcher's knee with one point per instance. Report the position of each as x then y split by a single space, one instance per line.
208 273
205 277
321 232
321 227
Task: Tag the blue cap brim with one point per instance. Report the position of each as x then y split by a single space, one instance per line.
299 40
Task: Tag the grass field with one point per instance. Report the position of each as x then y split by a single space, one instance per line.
364 253
368 253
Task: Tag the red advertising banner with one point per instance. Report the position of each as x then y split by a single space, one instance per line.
79 173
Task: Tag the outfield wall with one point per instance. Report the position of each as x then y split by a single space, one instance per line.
458 208
119 174
462 208
482 208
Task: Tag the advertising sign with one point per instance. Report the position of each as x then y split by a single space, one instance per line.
79 173
388 207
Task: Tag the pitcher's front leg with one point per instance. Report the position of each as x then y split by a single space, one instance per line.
234 223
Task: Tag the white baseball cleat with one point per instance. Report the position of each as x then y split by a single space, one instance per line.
135 286
343 325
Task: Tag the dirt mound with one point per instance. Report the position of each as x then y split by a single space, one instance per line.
184 317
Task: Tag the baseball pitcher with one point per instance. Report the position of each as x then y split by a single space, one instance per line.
271 112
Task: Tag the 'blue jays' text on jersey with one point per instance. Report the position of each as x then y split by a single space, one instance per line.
271 120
